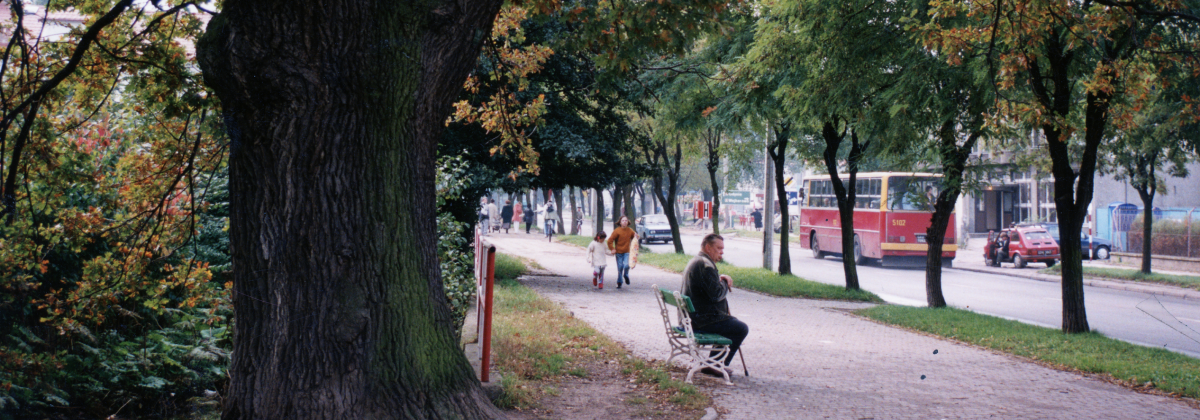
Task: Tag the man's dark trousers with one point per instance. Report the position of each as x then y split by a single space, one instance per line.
732 329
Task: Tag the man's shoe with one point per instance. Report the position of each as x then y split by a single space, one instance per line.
618 284
712 372
626 279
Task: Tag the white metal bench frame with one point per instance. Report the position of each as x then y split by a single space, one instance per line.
683 339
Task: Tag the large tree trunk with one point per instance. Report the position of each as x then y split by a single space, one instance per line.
1143 179
599 214
779 155
768 210
833 140
954 164
333 109
562 219
1072 208
1054 91
1147 195
713 143
574 214
630 209
716 203
660 156
616 213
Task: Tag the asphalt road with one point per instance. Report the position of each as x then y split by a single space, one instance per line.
1154 321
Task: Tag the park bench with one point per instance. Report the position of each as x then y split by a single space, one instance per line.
695 347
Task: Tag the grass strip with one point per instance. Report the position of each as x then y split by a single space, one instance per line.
1190 282
536 343
757 279
1130 364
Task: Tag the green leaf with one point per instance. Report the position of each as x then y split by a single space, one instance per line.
154 382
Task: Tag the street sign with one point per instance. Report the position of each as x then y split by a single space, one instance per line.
736 198
793 198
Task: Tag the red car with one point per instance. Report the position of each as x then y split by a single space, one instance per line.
1026 244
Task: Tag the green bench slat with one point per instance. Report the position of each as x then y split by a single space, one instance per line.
702 338
669 298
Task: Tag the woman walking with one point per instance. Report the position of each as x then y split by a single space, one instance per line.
506 215
518 214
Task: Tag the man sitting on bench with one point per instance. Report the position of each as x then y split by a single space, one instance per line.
707 289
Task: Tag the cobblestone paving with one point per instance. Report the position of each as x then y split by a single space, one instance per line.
810 359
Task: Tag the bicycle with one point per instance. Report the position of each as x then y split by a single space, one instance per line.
550 230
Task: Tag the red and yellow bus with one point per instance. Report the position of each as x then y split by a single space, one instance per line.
892 211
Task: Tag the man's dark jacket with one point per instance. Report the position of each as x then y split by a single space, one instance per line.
702 283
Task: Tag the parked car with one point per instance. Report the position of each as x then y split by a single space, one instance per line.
1026 244
793 220
1093 247
653 227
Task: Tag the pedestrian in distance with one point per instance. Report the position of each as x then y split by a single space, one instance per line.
709 289
506 215
518 214
1002 248
619 243
494 213
485 219
757 214
530 215
597 256
551 216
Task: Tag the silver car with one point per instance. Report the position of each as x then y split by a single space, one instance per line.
654 227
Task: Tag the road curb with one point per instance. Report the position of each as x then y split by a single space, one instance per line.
1148 288
1153 289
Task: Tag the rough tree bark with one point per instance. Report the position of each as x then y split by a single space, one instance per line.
333 109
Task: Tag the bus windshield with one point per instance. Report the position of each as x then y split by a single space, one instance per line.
913 192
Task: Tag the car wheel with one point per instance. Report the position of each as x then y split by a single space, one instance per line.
1019 261
1102 253
816 249
858 257
988 262
1050 263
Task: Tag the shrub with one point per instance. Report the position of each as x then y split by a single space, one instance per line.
455 251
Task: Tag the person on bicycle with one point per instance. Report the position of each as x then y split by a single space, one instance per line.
551 218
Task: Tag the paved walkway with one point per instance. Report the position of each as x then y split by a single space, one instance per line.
811 359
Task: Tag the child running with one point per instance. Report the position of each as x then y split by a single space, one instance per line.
598 258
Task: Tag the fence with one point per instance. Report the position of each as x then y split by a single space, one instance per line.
485 276
1176 231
